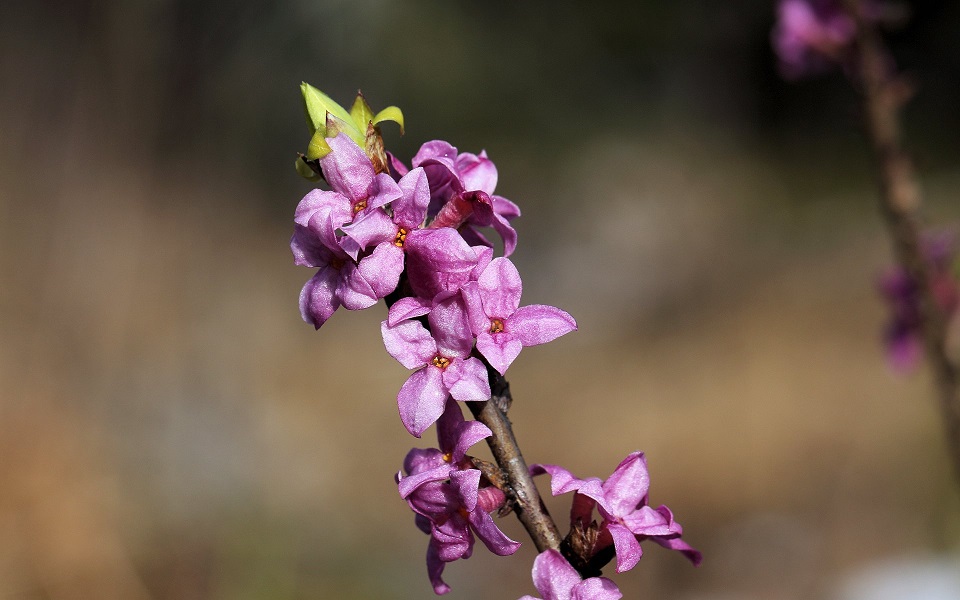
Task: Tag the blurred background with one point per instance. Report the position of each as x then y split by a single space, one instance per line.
171 429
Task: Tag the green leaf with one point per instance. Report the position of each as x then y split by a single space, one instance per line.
361 112
390 113
318 147
305 171
317 105
337 125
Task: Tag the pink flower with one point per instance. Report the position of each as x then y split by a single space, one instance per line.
622 502
501 327
556 579
456 177
340 280
356 191
442 361
811 36
443 489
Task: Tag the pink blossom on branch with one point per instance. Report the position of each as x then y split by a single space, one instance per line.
445 492
501 326
622 502
442 361
556 579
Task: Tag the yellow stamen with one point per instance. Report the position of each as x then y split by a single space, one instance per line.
496 326
441 362
400 238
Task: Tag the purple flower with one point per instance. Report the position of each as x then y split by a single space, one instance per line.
556 579
904 331
439 262
622 502
445 493
340 280
457 177
811 36
501 327
391 231
356 190
443 362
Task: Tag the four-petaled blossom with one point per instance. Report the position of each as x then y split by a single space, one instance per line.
444 491
622 502
356 190
340 280
556 579
501 327
391 232
443 362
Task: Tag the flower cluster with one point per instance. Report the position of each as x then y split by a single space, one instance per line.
903 334
450 498
416 237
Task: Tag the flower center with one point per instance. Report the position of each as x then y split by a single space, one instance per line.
400 238
441 362
336 263
360 205
496 325
447 457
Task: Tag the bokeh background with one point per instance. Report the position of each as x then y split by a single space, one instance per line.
171 430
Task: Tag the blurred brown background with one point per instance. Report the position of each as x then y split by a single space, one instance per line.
170 429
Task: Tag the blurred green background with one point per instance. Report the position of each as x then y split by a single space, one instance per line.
171 429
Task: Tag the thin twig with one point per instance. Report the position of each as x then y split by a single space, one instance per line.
899 203
527 502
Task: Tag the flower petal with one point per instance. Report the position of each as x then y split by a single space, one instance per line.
500 349
409 307
411 209
477 172
410 483
308 250
384 190
539 324
435 570
421 400
562 481
409 342
353 289
596 588
438 260
323 212
450 326
347 168
626 488
468 434
318 299
467 380
627 546
382 268
369 229
500 288
495 540
553 576
647 521
692 554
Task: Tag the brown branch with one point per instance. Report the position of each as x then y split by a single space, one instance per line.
520 487
883 96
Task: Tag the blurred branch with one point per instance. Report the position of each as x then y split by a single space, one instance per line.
884 94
